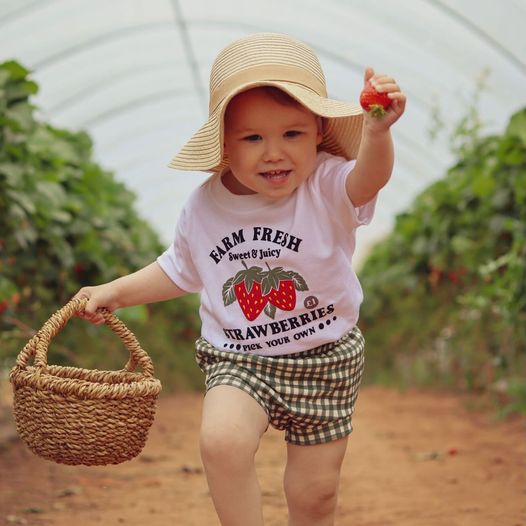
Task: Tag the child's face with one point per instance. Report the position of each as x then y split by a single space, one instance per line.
271 146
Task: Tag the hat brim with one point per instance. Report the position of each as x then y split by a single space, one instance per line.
341 135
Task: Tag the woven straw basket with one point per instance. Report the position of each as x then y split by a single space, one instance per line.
78 416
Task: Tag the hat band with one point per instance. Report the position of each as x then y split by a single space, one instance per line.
264 73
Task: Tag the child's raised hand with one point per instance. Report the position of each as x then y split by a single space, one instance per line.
382 99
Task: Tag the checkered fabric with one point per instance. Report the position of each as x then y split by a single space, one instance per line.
311 394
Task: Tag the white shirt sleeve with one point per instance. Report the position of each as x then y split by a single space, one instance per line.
176 261
329 181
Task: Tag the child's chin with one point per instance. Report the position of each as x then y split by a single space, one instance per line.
278 193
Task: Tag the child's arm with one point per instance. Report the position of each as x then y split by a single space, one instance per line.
374 163
148 285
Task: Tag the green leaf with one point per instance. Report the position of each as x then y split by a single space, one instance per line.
299 283
19 91
519 188
229 295
45 143
517 125
15 70
462 244
268 283
12 172
22 114
239 277
249 282
25 235
483 186
61 216
23 200
51 193
4 77
270 310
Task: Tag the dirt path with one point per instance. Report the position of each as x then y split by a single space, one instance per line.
415 459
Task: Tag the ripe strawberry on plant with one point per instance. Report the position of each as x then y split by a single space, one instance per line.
374 102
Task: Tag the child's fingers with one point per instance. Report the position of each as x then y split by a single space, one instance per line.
382 78
93 317
91 307
397 95
386 86
398 104
90 310
368 74
398 98
98 319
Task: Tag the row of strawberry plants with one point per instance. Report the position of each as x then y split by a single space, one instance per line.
448 286
66 222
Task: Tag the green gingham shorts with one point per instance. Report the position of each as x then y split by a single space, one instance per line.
310 395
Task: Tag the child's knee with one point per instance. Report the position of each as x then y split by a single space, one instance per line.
315 497
226 447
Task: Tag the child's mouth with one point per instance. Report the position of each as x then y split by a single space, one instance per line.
275 175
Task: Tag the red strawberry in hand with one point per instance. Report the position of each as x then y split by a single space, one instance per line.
373 101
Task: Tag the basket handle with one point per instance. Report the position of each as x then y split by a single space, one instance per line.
38 345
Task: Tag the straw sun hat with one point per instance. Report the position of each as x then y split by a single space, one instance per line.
269 59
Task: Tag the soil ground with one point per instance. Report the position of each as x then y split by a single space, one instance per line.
416 458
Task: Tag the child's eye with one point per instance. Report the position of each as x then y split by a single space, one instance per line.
252 138
292 133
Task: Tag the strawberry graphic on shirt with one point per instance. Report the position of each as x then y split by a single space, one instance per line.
256 290
250 300
284 297
245 288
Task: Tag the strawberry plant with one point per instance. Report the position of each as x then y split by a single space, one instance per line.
447 288
66 222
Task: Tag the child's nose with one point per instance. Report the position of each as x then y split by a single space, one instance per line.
273 151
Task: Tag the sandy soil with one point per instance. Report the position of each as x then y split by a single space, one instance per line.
415 459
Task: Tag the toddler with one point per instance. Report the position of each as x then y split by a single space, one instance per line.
268 241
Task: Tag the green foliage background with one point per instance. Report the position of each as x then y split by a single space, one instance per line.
446 290
65 222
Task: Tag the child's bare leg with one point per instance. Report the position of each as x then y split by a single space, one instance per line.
311 482
232 425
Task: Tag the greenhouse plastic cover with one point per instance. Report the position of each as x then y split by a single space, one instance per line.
134 74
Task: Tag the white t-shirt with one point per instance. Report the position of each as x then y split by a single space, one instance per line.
275 277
